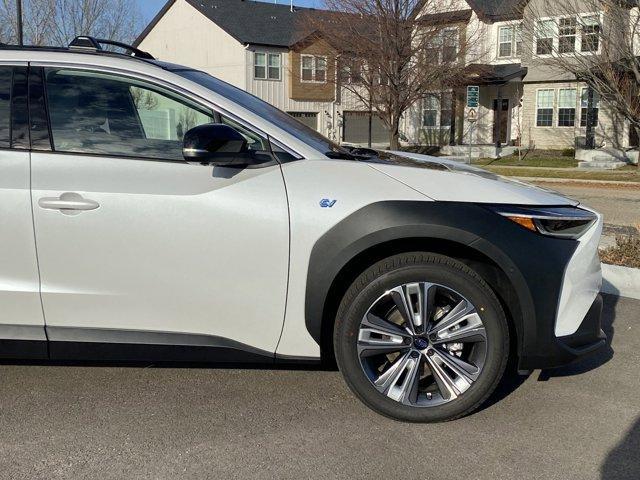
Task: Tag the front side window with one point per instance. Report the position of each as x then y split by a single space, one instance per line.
313 68
567 98
544 37
544 112
584 107
567 30
6 78
590 38
98 113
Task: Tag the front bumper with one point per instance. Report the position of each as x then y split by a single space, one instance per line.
560 351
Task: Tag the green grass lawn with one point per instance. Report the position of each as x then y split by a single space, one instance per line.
529 161
624 174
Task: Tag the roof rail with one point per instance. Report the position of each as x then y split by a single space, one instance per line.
95 44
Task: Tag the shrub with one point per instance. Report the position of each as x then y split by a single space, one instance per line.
569 152
626 252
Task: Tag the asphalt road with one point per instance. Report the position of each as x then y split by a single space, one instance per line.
110 422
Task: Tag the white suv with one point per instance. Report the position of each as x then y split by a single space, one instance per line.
151 212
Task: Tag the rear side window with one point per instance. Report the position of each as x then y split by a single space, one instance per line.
6 75
97 113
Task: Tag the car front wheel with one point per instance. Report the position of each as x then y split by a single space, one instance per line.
421 337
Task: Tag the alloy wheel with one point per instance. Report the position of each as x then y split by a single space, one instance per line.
422 344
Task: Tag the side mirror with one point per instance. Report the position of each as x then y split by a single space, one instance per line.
216 144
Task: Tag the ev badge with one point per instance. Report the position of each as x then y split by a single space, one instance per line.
326 203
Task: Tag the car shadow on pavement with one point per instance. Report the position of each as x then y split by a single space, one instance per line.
623 462
597 359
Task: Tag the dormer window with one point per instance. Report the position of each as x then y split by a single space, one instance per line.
509 41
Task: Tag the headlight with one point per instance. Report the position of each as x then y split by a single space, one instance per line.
562 222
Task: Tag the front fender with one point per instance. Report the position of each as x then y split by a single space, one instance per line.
534 264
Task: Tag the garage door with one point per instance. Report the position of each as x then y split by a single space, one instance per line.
310 119
356 128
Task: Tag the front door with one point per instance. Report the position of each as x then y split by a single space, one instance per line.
137 246
501 121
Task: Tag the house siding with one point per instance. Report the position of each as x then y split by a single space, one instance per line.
203 45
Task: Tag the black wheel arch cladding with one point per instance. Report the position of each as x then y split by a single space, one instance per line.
534 264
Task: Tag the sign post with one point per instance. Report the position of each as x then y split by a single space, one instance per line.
472 118
473 103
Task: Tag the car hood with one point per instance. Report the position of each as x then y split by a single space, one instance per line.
448 180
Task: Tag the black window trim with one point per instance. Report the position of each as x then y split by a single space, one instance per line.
162 84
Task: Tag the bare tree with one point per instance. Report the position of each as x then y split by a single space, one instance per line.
392 53
57 22
596 42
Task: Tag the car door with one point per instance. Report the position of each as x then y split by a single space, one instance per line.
21 320
138 247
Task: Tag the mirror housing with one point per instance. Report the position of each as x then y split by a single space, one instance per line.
216 144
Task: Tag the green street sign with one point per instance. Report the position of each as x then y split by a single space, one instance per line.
473 96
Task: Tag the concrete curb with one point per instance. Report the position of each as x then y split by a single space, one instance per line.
599 183
621 281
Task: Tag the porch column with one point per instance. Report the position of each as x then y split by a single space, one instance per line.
454 115
591 136
498 117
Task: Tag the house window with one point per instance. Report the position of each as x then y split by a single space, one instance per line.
544 110
567 30
449 46
313 69
590 41
544 37
437 110
509 41
584 106
567 99
267 66
430 108
505 41
442 46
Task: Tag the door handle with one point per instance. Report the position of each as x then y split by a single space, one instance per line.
69 203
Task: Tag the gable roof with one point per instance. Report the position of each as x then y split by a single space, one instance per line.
247 21
498 10
261 23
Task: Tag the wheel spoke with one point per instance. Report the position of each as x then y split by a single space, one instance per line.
446 384
388 328
461 324
428 305
459 366
412 303
400 381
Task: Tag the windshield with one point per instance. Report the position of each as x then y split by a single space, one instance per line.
265 110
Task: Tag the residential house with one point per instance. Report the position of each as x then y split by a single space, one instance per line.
523 99
264 49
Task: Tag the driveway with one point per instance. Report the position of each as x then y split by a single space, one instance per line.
581 422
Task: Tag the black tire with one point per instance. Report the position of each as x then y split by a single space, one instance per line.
415 267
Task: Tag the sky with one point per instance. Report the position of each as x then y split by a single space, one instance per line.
150 7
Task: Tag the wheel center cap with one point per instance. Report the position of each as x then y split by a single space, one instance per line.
420 343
